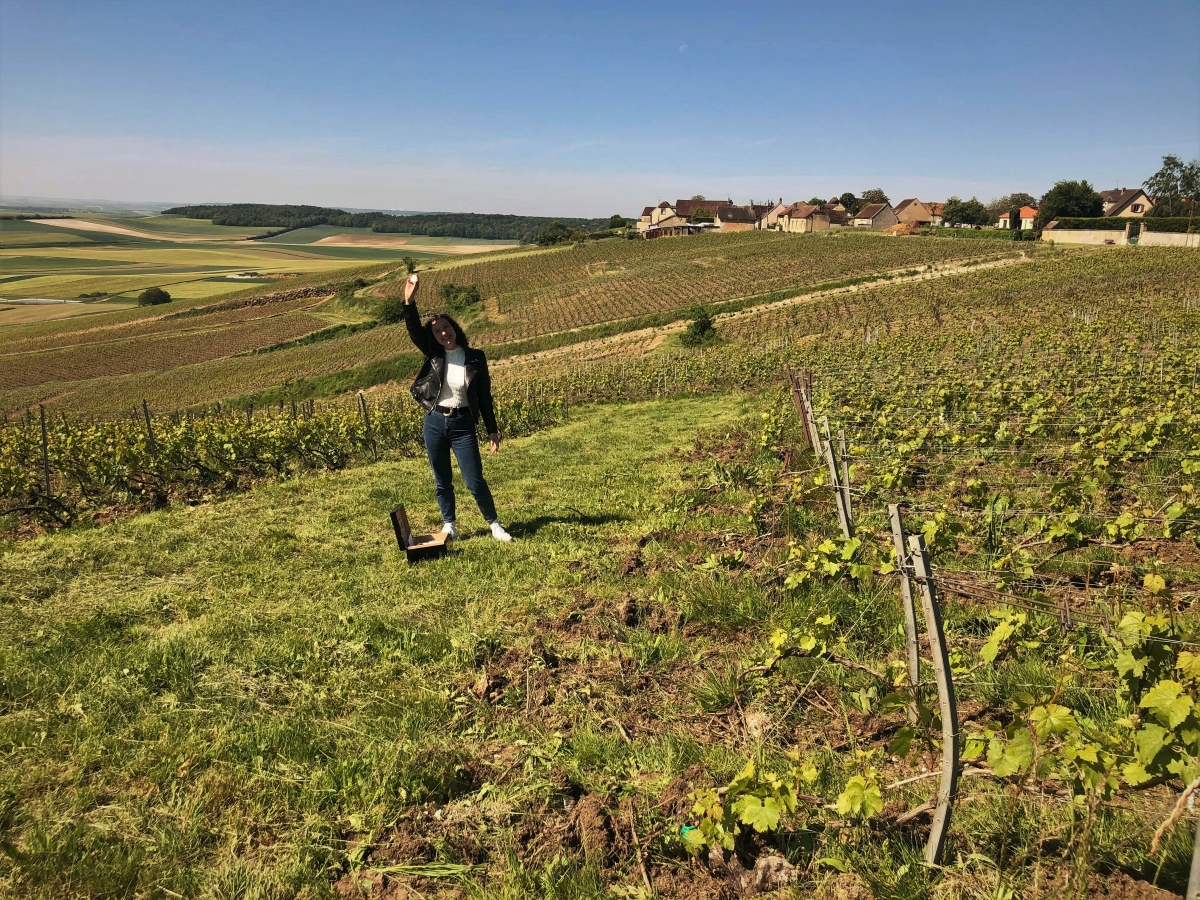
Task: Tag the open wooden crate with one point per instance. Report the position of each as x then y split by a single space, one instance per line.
416 546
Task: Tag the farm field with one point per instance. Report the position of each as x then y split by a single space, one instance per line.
681 650
596 282
122 256
382 352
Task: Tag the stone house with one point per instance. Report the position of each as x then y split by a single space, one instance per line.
877 215
913 212
802 218
736 218
769 220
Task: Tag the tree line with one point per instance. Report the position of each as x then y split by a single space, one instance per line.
288 217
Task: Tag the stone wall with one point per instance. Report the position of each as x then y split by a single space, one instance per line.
1167 238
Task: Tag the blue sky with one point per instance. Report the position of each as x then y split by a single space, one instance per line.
587 109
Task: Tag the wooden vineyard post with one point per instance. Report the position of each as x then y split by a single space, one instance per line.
810 421
1193 889
45 448
910 612
149 430
845 472
799 404
838 494
948 783
800 408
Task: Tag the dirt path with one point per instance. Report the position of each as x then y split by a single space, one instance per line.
644 333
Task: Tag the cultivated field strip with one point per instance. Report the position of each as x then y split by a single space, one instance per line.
592 283
167 324
150 353
215 379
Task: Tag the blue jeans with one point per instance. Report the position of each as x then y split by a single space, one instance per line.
456 433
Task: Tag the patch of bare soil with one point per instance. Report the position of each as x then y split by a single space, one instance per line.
1180 553
1119 886
592 829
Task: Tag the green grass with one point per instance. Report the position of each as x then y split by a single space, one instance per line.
32 264
232 691
23 233
179 225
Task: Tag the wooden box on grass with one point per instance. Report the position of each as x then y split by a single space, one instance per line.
416 546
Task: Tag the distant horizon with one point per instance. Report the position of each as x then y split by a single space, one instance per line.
539 109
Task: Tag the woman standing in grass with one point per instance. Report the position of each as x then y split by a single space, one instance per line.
455 389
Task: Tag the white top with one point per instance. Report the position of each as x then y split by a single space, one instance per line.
454 384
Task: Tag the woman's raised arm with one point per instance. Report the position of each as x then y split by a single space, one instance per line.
412 319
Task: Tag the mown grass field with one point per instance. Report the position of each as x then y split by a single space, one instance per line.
248 693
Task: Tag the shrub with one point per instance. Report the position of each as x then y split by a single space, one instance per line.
461 298
700 330
153 296
391 310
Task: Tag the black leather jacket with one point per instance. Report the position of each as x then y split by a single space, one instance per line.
428 384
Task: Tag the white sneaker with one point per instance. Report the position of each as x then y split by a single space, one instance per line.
450 531
499 533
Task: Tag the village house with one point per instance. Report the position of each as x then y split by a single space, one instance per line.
802 218
935 214
913 212
769 220
645 221
877 215
1028 214
686 209
1126 202
835 204
736 218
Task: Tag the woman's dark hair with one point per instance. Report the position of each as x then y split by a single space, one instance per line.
460 336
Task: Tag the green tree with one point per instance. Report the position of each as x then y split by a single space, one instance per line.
554 233
390 310
700 214
699 197
1174 188
1069 199
616 220
875 195
700 330
410 264
852 203
817 202
460 298
153 296
1001 205
957 211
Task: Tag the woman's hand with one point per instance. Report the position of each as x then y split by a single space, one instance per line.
410 288
494 437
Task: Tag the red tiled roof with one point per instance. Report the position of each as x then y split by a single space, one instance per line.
903 204
1027 212
649 210
800 210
